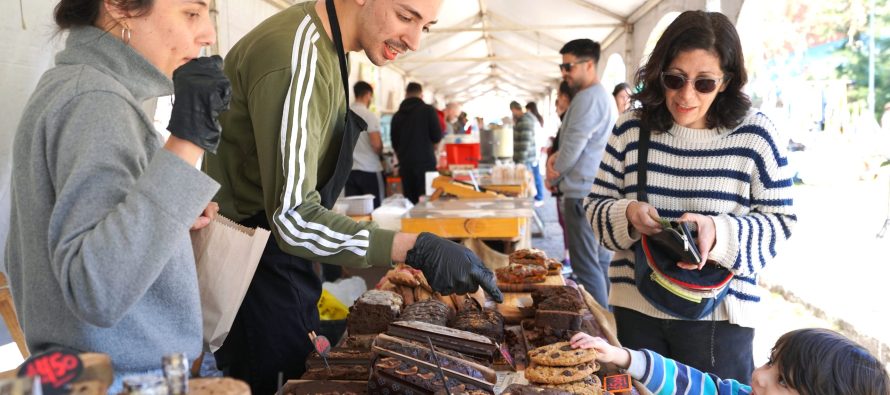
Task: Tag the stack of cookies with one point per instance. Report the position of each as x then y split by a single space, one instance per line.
562 367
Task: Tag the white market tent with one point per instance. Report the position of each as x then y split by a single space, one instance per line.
506 48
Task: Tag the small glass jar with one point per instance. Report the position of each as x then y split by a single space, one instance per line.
145 385
176 373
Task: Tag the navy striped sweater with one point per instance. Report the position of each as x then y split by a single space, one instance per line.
740 177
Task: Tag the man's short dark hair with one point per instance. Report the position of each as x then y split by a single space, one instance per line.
414 89
582 48
514 105
362 88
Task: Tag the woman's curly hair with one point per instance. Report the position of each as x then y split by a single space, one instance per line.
710 31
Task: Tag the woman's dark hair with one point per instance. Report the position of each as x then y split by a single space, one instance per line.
75 13
532 107
710 31
621 87
820 361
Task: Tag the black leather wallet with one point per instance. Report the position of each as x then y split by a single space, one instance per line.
676 242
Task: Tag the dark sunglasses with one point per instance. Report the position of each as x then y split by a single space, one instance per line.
567 67
674 81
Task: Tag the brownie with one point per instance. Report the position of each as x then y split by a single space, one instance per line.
344 363
558 319
430 311
373 312
486 322
325 387
562 302
564 292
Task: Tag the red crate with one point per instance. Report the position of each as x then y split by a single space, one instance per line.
463 154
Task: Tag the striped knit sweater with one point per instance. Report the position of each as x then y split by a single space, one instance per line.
740 177
664 376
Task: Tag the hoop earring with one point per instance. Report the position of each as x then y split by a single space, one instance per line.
126 34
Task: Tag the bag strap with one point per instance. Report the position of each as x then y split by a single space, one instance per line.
338 43
642 161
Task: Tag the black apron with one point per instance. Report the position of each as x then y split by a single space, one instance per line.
270 332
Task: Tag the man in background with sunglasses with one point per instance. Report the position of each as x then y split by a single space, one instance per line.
583 136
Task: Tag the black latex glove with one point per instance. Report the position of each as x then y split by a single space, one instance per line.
450 267
202 93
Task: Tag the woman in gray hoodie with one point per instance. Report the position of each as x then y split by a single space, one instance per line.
99 255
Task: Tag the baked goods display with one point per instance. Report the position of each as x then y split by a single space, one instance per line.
554 267
403 338
431 311
475 346
401 365
529 256
520 274
563 367
408 282
373 311
527 389
476 319
342 364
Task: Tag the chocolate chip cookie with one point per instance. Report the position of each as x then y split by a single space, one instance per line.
559 374
588 386
561 354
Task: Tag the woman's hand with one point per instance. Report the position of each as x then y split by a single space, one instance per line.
552 174
643 217
208 215
707 237
605 352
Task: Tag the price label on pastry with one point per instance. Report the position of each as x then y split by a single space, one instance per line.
617 383
322 345
56 369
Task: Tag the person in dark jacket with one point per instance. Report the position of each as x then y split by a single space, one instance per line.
415 133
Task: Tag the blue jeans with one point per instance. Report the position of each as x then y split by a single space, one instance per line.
539 182
590 259
716 347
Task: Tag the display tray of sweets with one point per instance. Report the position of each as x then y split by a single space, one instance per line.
324 387
470 344
405 366
342 364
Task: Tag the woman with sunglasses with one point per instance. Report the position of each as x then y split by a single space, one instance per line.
712 163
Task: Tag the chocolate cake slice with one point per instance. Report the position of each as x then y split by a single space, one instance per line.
373 312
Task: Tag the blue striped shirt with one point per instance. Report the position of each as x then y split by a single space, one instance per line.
664 376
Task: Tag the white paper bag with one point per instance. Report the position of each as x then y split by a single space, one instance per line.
226 255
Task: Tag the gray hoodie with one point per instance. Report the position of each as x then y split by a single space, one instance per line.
99 256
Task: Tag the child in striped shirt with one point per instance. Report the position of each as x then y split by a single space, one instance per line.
805 361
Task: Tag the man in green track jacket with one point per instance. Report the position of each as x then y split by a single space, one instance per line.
280 166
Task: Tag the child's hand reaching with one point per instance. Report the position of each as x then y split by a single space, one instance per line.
605 351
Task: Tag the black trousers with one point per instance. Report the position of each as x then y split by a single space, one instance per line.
270 332
365 183
414 180
716 347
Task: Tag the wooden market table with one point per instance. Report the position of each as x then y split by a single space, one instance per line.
504 219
